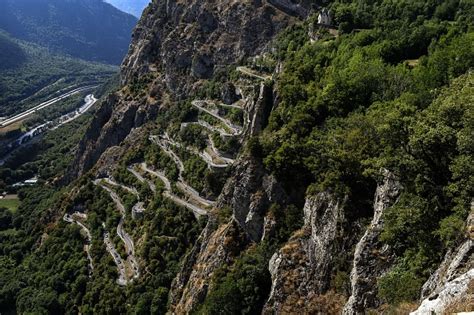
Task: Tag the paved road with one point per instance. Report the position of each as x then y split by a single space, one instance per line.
198 211
213 159
31 111
123 235
207 125
140 178
254 74
164 142
122 280
236 105
236 130
89 101
240 104
70 219
109 181
212 145
188 190
160 175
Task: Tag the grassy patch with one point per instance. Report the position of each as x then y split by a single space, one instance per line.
10 202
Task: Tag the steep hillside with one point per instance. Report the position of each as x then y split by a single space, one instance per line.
265 157
88 29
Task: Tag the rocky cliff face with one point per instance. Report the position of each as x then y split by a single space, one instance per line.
113 122
188 40
371 258
217 245
248 193
301 269
175 45
452 285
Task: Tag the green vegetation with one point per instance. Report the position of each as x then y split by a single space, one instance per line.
194 136
241 288
10 203
228 145
199 176
46 156
51 276
392 91
36 68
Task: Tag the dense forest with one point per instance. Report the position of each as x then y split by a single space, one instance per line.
390 87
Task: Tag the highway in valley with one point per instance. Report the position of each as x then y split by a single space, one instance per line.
43 105
89 101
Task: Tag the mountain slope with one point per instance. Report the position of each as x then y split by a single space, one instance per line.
87 29
27 68
301 169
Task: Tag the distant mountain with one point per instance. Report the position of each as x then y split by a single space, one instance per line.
88 29
29 71
134 7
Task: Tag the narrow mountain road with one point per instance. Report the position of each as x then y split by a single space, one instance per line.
207 125
254 74
182 185
141 179
70 219
212 158
123 235
131 190
185 188
236 130
236 105
213 147
160 175
122 280
193 194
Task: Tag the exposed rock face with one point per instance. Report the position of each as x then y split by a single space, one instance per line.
301 269
259 109
188 39
454 279
249 194
371 258
112 123
228 94
178 42
216 246
300 8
